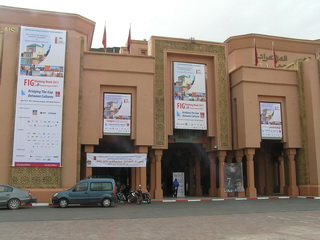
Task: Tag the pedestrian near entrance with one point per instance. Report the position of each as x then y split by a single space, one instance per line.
175 187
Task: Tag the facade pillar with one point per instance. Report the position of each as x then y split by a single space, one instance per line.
293 190
239 155
282 182
221 156
191 178
133 178
213 183
198 176
152 174
158 193
88 170
251 191
142 171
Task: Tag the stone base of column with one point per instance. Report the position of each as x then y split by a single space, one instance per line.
251 192
293 191
241 194
213 192
222 193
158 194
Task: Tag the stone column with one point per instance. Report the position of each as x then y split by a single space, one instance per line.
213 183
221 156
239 155
152 174
293 190
191 178
251 191
142 175
282 181
158 193
88 149
198 176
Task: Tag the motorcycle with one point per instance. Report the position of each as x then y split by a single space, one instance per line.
139 197
134 196
121 198
146 197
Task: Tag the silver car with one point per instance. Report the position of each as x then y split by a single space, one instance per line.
13 198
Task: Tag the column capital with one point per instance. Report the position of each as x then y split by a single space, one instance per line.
221 153
89 148
158 152
249 151
239 153
291 151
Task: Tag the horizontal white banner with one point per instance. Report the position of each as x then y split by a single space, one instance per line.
116 159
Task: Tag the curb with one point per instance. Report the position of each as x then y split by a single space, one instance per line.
198 200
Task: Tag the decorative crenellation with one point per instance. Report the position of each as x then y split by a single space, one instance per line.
35 177
160 46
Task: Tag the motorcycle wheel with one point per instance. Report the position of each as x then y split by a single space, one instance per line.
148 200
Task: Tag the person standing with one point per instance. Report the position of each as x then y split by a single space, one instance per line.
175 187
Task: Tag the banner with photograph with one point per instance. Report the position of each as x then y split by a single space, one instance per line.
190 106
116 159
270 120
117 114
233 177
39 98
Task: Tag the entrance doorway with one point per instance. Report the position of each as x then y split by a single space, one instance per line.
181 157
266 167
111 144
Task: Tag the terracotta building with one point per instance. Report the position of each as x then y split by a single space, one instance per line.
238 118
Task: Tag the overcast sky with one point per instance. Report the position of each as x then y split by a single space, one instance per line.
209 20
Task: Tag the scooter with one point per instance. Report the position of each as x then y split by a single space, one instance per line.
134 196
146 197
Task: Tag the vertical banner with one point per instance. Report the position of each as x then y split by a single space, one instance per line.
180 177
190 109
270 120
117 114
39 101
233 177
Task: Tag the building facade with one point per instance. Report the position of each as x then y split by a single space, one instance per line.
238 118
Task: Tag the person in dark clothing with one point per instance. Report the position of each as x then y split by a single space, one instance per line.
175 187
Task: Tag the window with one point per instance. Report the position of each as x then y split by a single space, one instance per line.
5 189
101 186
81 187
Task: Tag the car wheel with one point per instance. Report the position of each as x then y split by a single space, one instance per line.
63 203
106 202
14 204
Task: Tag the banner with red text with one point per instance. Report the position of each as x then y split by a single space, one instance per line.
270 120
39 99
116 159
190 108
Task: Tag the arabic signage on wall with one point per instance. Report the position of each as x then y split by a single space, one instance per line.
117 114
270 120
190 109
39 101
233 177
116 159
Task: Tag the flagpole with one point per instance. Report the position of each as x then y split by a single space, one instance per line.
274 56
129 40
255 53
104 38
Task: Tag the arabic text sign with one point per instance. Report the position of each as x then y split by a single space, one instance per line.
116 159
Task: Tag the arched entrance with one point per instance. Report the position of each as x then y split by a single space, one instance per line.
267 173
190 159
